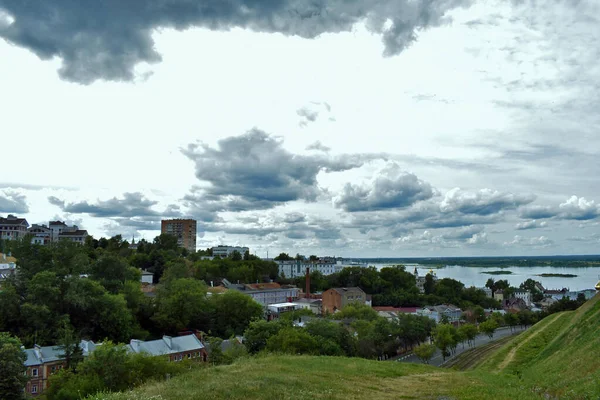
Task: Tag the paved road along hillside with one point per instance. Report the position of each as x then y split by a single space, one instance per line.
479 340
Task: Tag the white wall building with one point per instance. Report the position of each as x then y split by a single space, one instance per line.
524 295
226 251
296 268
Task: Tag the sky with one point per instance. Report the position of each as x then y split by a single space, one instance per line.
388 128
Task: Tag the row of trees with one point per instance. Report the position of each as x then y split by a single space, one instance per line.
394 286
96 289
355 331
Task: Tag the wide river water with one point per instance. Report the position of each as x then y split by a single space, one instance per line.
474 276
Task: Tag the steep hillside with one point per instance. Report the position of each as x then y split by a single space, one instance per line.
304 377
559 358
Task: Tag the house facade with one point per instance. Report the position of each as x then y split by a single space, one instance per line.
266 293
42 235
297 268
227 251
438 313
43 361
337 298
524 295
12 228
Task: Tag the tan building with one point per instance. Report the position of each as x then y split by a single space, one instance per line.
12 227
183 229
337 298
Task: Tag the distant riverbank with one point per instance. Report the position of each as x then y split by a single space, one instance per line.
501 272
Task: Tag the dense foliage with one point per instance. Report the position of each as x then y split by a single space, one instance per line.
109 368
394 286
355 331
12 369
95 290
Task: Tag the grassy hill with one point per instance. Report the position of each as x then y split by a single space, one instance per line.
560 355
558 358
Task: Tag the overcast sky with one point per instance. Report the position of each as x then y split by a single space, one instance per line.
339 127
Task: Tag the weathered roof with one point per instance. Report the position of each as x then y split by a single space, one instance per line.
260 286
39 355
405 310
348 289
79 232
12 220
56 223
166 345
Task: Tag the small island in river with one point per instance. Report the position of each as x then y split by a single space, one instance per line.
501 272
557 275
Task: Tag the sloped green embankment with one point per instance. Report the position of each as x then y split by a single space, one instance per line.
560 356
557 358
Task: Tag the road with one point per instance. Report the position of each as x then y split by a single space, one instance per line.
437 359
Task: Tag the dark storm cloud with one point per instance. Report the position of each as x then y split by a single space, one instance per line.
457 209
131 205
392 188
254 172
13 202
106 39
483 202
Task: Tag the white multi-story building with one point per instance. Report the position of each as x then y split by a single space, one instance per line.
42 235
226 251
524 295
297 268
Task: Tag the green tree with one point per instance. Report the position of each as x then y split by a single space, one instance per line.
259 332
334 332
425 352
236 256
468 331
293 341
233 312
357 311
283 257
12 367
444 339
182 305
429 285
489 327
68 343
511 320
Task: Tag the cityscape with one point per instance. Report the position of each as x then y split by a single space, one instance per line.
299 199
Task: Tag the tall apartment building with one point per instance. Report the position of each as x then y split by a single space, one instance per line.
183 229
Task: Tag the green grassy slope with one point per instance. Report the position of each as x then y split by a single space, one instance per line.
559 358
304 377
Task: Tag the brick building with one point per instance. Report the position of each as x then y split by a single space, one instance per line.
337 298
183 229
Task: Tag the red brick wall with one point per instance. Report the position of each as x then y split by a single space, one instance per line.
332 301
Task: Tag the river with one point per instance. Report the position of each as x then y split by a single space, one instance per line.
473 276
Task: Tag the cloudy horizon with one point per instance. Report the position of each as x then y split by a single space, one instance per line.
348 128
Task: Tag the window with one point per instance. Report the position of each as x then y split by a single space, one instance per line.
34 389
180 357
189 356
34 372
